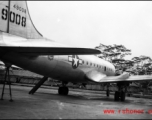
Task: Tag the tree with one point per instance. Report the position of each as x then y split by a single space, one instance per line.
143 66
114 54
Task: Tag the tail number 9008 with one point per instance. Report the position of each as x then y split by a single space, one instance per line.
14 18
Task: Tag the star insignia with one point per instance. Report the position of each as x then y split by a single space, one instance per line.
75 61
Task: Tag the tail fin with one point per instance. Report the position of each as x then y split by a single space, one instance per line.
15 19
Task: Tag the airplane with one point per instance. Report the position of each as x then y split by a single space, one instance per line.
22 45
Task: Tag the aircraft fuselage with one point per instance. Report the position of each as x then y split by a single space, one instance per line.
61 67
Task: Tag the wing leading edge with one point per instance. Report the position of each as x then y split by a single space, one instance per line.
50 50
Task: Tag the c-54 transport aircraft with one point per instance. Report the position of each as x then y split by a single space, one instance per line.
22 45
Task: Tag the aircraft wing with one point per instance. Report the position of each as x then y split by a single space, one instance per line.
50 50
98 77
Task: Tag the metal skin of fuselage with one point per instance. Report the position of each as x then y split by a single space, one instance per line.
60 67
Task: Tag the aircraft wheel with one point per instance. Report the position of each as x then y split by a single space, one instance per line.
123 96
117 94
60 91
63 90
108 92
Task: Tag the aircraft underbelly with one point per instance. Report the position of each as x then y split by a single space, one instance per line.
43 65
67 73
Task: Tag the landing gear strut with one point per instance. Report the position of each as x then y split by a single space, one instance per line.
38 85
121 93
63 90
108 91
9 82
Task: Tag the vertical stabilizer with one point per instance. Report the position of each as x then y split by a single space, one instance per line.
15 19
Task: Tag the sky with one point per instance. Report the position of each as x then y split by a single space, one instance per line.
89 23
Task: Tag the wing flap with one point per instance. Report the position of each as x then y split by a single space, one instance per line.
50 50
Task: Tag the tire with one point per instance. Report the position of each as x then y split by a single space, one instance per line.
63 90
117 94
60 91
123 95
